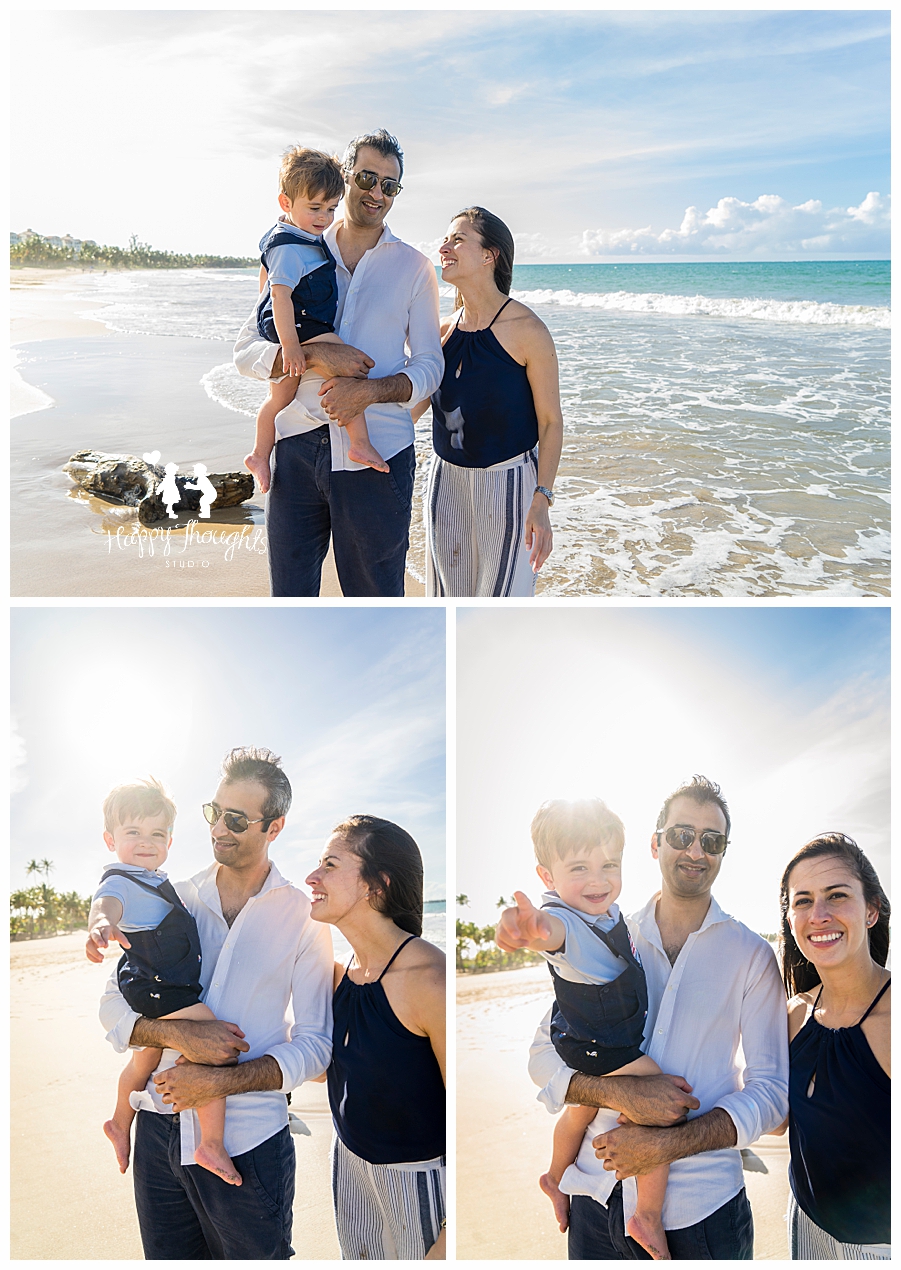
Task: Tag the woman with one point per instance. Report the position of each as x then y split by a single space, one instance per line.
386 1079
835 919
488 496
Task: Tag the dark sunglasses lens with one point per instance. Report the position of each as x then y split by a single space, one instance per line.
713 843
234 822
389 187
365 180
680 839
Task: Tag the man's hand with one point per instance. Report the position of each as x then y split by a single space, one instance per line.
646 1100
188 1085
520 926
632 1150
215 1042
293 360
344 399
99 937
539 536
341 361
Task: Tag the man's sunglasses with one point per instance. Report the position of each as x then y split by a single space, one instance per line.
235 821
681 839
369 180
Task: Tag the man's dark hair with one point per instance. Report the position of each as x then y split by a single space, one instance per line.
250 763
700 790
390 864
799 974
380 140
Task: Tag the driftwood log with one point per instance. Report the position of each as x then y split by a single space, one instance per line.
122 478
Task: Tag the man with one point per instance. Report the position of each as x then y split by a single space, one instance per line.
387 306
712 984
261 951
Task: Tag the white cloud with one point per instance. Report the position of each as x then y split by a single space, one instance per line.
531 245
769 224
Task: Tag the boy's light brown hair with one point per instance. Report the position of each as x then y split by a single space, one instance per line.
310 173
562 827
137 802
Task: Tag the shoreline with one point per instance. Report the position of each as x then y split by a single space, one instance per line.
78 385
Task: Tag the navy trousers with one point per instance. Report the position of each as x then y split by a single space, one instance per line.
597 1233
366 513
186 1213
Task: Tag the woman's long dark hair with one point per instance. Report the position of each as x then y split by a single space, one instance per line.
799 974
391 865
494 235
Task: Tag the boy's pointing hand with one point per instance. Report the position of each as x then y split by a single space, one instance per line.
523 925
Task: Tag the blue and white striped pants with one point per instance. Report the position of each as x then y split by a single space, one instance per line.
386 1212
475 520
810 1243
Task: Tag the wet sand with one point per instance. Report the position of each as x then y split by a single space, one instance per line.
69 1202
504 1134
124 394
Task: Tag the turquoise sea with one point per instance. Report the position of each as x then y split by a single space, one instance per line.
727 425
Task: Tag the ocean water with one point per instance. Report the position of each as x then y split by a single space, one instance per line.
727 425
434 929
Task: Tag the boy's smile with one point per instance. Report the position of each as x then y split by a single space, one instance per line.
588 881
144 843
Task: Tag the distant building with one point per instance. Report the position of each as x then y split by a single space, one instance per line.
52 240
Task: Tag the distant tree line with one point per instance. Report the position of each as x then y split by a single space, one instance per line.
136 255
41 910
477 952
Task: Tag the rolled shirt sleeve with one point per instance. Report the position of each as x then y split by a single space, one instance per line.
761 1105
308 1051
252 356
116 1016
424 366
547 1069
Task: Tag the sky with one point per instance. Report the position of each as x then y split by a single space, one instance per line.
597 135
786 708
352 700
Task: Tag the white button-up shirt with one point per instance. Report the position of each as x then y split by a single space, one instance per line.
716 1017
388 307
273 957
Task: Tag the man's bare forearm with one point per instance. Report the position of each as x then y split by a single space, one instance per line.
256 1074
215 1042
714 1131
648 1100
392 388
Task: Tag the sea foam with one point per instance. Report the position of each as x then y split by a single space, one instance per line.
807 312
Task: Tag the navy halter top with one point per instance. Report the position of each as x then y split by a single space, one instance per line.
384 1083
840 1134
483 413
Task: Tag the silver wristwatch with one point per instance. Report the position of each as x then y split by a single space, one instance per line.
548 493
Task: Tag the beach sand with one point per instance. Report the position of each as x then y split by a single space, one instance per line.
69 1202
125 394
504 1134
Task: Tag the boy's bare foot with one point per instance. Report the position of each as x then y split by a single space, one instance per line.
259 466
218 1161
557 1198
650 1234
121 1140
363 452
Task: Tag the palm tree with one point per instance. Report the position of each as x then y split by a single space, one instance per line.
463 901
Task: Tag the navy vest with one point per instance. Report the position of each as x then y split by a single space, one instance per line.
315 297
